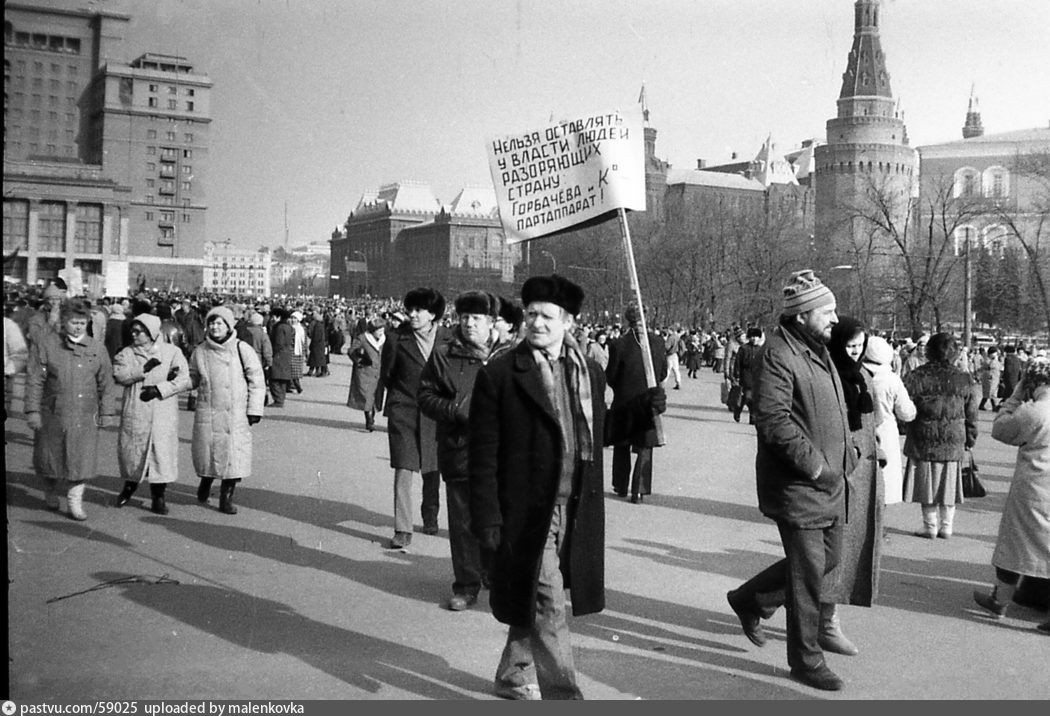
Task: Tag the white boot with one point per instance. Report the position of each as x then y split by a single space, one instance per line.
929 522
830 636
947 517
50 493
75 496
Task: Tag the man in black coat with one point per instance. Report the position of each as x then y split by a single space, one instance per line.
625 374
537 426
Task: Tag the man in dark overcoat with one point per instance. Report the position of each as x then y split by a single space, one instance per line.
537 426
625 374
805 451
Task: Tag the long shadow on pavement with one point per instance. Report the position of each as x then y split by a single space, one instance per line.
362 661
704 506
738 563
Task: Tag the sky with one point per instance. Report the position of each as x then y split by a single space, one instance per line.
317 101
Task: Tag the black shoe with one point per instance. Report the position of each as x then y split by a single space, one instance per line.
204 490
158 504
226 505
821 678
462 602
401 540
620 493
125 495
749 622
430 528
636 499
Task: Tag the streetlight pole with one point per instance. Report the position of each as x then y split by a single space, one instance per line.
967 295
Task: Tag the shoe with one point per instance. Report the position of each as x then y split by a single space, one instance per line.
678 387
158 505
620 493
749 622
821 678
636 499
830 638
226 488
521 692
75 498
51 494
736 417
944 534
430 529
462 602
991 603
927 534
204 490
400 540
125 495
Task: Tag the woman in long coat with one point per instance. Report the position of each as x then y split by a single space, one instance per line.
365 354
856 578
153 373
990 371
299 348
412 435
230 394
944 428
892 404
317 339
282 340
1022 549
67 377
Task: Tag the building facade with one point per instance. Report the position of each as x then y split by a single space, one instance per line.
227 270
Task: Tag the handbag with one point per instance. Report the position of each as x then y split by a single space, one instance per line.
971 483
725 392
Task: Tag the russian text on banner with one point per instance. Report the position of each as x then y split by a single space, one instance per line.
567 173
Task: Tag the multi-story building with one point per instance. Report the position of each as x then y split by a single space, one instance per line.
103 176
227 270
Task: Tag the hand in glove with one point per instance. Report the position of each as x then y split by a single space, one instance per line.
150 365
33 421
490 538
173 373
150 392
253 419
657 399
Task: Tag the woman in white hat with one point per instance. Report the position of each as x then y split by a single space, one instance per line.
892 405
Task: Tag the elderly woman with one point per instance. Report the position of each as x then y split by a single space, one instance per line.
945 427
892 404
364 353
412 435
1022 549
67 377
230 394
153 373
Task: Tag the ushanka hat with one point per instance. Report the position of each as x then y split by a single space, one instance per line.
553 289
804 292
477 302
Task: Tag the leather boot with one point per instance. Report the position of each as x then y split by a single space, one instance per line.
204 490
226 497
51 493
831 637
125 495
158 505
75 497
997 600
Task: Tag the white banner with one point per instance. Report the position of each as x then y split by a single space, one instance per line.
554 178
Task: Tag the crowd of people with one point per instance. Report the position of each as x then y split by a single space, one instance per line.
503 401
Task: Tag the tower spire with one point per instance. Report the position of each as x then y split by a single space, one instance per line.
973 127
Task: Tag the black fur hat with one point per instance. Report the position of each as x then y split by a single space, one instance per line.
478 302
426 298
553 289
511 312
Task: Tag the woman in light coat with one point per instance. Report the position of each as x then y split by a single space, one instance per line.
892 404
153 373
231 391
365 353
1022 549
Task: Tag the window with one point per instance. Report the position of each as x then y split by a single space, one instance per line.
189 106
185 218
151 150
185 186
187 137
167 236
149 183
967 182
149 216
167 217
152 101
168 154
189 92
51 226
151 134
187 169
171 136
187 153
152 87
151 167
173 104
149 199
996 182
88 236
173 89
16 224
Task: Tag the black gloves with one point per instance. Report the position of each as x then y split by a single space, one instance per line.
173 372
490 538
253 419
150 365
657 400
150 392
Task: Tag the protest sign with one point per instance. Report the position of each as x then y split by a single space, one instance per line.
570 172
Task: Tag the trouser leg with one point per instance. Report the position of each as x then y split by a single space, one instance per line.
403 500
466 555
278 388
642 477
516 667
810 554
431 499
621 468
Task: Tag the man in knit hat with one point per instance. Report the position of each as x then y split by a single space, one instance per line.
805 451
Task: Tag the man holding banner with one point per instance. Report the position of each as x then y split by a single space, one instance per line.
537 426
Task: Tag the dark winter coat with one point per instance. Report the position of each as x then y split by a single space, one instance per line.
364 381
625 374
803 430
412 436
946 420
282 341
514 462
317 339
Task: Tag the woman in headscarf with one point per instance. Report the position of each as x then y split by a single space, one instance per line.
1022 549
364 354
412 435
856 578
230 394
943 430
67 378
153 373
295 320
892 404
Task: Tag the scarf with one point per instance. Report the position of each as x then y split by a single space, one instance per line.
851 373
376 343
579 392
425 340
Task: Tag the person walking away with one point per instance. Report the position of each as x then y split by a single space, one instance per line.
990 372
282 343
260 343
1022 548
365 352
672 346
805 451
743 367
626 376
945 427
892 405
153 373
446 386
317 362
230 387
537 422
68 375
412 436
